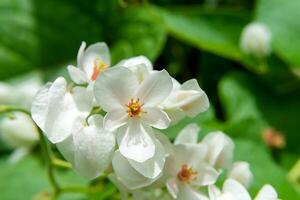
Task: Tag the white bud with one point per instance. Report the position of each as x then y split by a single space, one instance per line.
19 131
241 172
256 40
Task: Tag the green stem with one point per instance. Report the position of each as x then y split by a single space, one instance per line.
50 166
61 163
78 189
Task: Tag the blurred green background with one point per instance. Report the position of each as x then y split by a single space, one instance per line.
190 39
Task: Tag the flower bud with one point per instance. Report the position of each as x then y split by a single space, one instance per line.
19 131
256 40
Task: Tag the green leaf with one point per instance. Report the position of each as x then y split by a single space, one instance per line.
217 32
282 18
264 169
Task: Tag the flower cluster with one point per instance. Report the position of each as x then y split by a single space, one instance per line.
111 116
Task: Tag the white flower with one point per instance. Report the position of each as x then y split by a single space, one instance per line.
187 167
61 114
141 66
133 107
90 149
256 39
232 189
187 99
19 131
91 63
241 172
6 94
220 149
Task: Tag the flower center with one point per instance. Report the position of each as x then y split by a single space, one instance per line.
134 108
186 174
99 66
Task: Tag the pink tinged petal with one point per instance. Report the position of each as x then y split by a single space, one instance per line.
152 167
156 118
187 193
114 88
241 172
127 174
94 148
77 75
115 119
154 89
188 134
267 193
135 141
220 149
95 51
206 175
172 187
235 190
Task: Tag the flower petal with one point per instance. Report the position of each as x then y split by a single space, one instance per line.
267 193
207 175
77 75
188 134
115 119
134 61
152 167
135 141
95 51
240 171
186 192
220 149
155 89
172 187
114 88
59 113
127 174
235 190
67 149
156 118
93 151
214 192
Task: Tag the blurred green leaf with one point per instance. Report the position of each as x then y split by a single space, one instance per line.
282 18
264 169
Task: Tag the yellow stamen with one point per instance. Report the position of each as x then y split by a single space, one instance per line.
99 66
134 108
186 174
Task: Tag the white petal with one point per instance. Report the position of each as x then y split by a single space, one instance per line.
93 151
96 120
155 89
59 113
220 149
165 141
172 187
241 172
175 114
67 149
19 131
152 167
95 51
235 190
267 193
206 175
80 52
115 119
136 61
188 134
213 192
83 99
127 174
156 118
6 94
136 142
192 99
189 154
187 193
77 75
114 88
